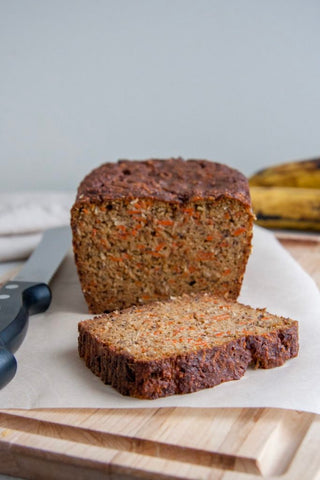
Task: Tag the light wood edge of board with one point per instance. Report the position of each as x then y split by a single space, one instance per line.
170 443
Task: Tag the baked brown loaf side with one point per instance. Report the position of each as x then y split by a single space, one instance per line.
183 345
146 230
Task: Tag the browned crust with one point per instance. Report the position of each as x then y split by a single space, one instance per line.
191 372
170 180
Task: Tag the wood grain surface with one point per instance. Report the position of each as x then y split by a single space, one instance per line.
170 443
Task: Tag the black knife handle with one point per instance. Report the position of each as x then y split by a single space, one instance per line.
18 300
8 366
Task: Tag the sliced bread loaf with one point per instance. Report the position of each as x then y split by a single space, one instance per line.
183 344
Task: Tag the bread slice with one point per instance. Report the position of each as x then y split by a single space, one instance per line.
148 230
183 344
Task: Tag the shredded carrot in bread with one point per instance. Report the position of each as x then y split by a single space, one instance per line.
188 210
123 228
239 231
134 212
226 272
224 244
160 246
115 259
166 223
222 316
155 254
205 256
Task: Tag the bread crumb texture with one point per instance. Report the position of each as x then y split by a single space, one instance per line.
184 344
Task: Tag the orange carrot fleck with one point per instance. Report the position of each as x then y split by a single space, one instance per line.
104 242
156 254
247 332
123 228
224 244
239 231
145 297
222 316
205 256
201 342
135 230
134 212
188 210
166 223
139 205
116 259
160 246
226 272
124 256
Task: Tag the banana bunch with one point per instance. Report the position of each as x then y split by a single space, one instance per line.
287 196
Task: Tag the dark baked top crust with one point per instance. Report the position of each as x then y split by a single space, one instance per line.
172 180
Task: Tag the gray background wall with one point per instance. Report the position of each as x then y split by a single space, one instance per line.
88 81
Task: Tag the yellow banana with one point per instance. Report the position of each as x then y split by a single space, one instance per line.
301 174
287 207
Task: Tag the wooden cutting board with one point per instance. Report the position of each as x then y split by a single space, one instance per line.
170 443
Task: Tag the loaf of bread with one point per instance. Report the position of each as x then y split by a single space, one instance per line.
183 344
147 230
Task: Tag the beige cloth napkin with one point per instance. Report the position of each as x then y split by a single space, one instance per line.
51 374
23 216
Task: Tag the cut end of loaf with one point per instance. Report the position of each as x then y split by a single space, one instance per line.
183 345
138 251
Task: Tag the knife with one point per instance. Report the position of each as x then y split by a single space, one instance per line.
27 294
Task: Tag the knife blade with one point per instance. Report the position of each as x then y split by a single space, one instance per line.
28 293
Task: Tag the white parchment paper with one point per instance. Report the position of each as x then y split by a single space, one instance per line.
51 374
